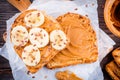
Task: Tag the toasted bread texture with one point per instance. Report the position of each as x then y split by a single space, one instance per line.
116 56
47 52
113 70
83 42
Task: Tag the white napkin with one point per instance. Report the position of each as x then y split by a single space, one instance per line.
55 8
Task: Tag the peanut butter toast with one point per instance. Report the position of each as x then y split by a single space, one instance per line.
83 42
27 42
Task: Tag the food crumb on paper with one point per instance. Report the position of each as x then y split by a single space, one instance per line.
76 9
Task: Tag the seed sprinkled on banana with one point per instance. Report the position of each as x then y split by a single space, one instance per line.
58 39
19 36
31 55
39 37
34 19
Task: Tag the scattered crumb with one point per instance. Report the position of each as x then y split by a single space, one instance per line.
28 72
93 4
86 5
45 77
86 15
76 9
33 76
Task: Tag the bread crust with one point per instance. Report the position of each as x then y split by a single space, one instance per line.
47 52
82 47
113 70
116 56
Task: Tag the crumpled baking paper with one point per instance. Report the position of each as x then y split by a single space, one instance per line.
55 8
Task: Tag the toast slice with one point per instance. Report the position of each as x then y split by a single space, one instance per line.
116 56
113 70
47 52
82 47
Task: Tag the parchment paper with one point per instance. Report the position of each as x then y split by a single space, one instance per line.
55 8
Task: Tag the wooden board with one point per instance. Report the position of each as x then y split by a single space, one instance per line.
7 11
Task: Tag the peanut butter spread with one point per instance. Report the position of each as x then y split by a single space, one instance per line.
66 75
47 52
83 43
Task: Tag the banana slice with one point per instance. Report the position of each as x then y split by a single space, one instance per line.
19 36
31 55
58 39
34 19
39 37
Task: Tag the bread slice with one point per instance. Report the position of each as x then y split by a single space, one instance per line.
116 56
82 47
113 70
47 53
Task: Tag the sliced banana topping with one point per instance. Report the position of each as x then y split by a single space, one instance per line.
58 39
31 55
34 19
19 36
39 37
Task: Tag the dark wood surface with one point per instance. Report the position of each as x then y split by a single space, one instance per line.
7 11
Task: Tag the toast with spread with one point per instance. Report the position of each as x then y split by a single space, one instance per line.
34 37
83 42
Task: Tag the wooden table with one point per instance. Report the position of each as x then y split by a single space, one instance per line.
7 11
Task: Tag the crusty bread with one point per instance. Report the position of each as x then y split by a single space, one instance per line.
82 47
116 56
47 53
113 70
